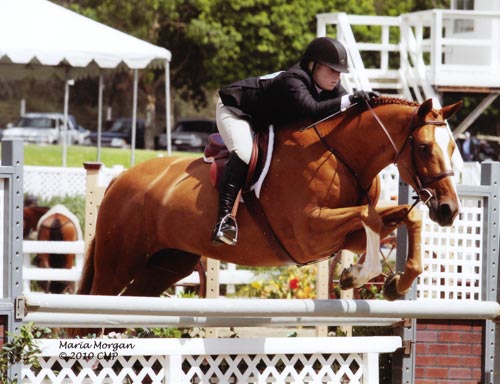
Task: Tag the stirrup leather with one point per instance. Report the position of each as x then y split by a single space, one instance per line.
229 235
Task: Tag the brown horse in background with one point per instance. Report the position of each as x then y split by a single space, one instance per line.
31 216
52 224
320 196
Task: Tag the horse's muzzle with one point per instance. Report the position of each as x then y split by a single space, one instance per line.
443 213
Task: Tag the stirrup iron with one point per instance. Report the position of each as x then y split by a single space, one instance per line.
223 237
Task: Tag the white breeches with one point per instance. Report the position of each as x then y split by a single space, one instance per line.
236 133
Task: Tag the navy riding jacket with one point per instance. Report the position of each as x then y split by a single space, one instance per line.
287 96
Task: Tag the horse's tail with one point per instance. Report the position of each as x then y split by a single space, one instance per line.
88 271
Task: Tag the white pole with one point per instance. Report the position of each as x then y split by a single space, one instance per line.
99 117
167 107
22 110
76 320
422 309
65 122
134 120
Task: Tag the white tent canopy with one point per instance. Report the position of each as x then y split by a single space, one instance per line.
39 39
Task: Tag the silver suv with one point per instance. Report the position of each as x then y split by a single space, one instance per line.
44 128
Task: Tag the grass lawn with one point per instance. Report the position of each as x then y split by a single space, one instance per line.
51 155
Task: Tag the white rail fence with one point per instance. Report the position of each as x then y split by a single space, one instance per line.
230 276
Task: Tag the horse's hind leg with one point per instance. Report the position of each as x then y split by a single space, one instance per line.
162 270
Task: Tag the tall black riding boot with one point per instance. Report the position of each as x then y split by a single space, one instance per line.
233 178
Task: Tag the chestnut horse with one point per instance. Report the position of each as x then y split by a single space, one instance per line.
319 196
53 224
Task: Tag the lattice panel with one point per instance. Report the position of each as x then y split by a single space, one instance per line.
122 369
280 368
223 369
53 181
451 256
49 182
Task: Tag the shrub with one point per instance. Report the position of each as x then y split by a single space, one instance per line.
290 283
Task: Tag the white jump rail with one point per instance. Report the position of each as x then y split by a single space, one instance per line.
238 308
256 360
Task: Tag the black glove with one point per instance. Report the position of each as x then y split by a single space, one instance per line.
362 96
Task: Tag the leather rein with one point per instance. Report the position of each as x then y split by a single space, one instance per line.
424 194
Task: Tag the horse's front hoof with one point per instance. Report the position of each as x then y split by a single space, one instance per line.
390 287
346 279
349 277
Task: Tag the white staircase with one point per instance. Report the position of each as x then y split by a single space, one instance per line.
409 48
401 69
421 54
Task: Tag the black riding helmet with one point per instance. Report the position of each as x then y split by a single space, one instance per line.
327 51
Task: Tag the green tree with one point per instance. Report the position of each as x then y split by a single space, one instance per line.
214 42
231 40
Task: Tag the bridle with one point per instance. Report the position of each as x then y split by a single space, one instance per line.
424 194
421 182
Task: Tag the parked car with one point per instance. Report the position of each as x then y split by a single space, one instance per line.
119 134
188 135
83 135
45 128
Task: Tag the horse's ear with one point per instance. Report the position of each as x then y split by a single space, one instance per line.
424 109
450 110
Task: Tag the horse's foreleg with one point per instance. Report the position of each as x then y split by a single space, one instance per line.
399 284
392 217
359 274
350 228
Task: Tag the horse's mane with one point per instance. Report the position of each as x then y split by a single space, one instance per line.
384 100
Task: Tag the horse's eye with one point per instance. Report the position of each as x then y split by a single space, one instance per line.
424 149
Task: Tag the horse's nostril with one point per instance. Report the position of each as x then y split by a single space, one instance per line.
446 214
445 210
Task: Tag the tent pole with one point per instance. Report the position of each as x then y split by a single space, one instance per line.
65 121
134 120
23 107
167 107
99 117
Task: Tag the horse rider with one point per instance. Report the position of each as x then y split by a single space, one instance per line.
309 89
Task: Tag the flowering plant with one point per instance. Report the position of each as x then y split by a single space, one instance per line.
283 283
